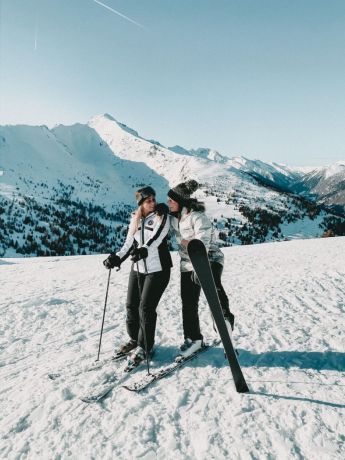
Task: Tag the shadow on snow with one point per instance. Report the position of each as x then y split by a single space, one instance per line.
328 360
317 360
296 398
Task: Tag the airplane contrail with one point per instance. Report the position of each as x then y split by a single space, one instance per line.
35 41
36 29
119 14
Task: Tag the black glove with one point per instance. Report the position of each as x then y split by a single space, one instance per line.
194 278
138 254
162 209
112 261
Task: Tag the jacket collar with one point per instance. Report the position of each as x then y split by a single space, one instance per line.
148 215
184 213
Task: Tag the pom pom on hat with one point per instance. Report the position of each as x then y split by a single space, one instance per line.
183 191
191 185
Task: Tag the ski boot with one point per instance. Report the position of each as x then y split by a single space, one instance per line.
136 358
189 347
124 350
228 316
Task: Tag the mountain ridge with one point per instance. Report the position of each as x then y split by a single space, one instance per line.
91 171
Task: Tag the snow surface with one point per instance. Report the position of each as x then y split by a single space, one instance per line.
74 155
288 299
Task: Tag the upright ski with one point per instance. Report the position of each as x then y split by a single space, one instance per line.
198 256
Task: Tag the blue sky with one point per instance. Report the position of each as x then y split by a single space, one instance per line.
259 78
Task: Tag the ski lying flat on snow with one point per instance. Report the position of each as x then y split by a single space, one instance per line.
103 392
198 256
106 387
81 369
149 379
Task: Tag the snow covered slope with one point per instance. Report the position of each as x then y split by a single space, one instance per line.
288 299
226 186
32 156
64 180
209 154
280 175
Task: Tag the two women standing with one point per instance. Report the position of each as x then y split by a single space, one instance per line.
146 242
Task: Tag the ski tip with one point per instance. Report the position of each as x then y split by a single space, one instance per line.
194 244
119 356
129 388
91 399
88 400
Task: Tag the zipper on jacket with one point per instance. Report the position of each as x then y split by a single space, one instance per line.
142 240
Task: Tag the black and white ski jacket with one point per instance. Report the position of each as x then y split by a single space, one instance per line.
151 234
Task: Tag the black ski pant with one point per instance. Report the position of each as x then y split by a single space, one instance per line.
143 295
190 293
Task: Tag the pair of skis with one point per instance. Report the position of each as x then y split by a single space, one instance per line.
101 393
106 387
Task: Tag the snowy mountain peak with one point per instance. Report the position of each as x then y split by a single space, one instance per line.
180 150
266 170
239 160
328 171
334 169
210 154
201 152
326 183
108 116
110 122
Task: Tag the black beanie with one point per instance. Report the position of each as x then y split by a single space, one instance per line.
143 193
182 192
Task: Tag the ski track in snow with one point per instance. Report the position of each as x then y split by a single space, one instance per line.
288 299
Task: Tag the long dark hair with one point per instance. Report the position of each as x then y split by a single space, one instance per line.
192 205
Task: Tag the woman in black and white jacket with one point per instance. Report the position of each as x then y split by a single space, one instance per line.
146 242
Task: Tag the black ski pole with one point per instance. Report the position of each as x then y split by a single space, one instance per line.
105 306
143 322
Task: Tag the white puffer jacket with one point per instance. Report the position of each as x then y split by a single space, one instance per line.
152 234
195 224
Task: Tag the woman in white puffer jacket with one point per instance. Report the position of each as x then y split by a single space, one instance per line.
189 221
